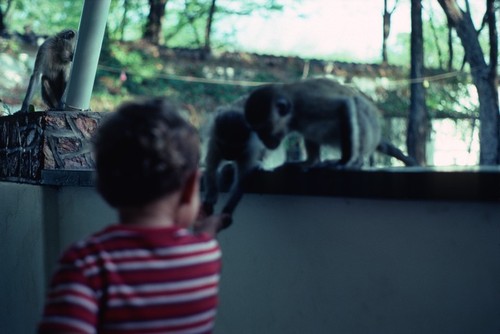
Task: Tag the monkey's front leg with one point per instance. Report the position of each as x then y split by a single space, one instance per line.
48 94
313 151
313 158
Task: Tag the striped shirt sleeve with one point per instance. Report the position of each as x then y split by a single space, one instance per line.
71 305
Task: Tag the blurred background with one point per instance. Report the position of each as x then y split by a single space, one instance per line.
206 53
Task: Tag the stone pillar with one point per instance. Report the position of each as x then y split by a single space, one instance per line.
51 140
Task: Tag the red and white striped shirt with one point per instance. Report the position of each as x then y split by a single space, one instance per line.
136 280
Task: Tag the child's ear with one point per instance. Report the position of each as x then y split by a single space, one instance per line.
189 202
191 187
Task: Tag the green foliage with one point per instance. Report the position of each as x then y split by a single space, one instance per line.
126 19
394 102
9 46
451 98
183 26
44 17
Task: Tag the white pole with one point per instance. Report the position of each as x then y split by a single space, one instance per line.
88 49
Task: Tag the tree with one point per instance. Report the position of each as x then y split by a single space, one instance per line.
192 23
484 76
2 24
493 75
418 124
436 37
387 28
450 46
208 28
123 23
3 14
153 29
46 18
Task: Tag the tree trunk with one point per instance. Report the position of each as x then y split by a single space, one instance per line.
386 29
123 24
418 123
450 46
3 15
2 24
207 49
481 77
493 76
386 17
152 32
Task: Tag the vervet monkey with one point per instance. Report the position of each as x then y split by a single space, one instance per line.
324 112
52 66
230 140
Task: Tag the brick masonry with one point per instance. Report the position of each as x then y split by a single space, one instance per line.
50 140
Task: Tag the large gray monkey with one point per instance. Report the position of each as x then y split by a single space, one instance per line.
324 112
52 66
230 140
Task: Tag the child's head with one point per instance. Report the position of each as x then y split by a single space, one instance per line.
144 151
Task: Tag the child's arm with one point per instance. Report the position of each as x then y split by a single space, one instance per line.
71 305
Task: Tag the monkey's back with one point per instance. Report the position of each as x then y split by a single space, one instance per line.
54 56
320 88
326 100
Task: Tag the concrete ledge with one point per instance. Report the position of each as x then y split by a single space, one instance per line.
79 178
395 183
472 184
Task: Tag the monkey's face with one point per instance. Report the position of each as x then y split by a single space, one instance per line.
270 139
268 112
66 40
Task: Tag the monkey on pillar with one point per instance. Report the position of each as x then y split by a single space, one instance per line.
231 141
51 69
324 112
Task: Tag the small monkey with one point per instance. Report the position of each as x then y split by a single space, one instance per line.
52 66
324 112
230 140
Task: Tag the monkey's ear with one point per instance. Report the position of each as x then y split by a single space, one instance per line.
283 106
69 34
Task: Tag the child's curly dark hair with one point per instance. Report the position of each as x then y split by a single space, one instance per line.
143 151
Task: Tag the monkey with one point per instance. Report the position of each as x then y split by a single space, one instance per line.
324 112
230 141
51 69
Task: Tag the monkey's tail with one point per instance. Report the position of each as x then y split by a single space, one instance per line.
391 150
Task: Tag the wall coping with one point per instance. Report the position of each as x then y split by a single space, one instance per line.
411 183
406 183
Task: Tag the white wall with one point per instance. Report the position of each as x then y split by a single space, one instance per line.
294 264
330 265
21 258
